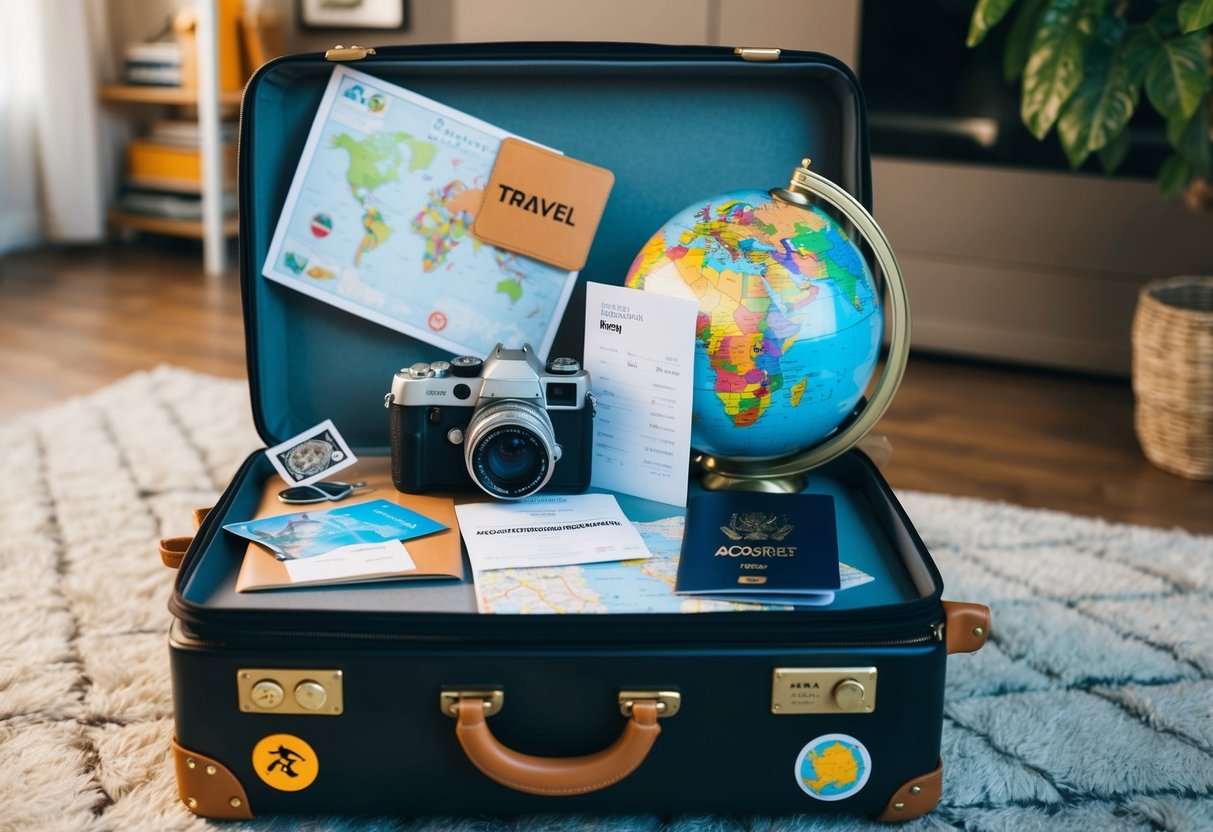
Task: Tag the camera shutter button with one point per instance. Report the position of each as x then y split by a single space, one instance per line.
564 366
466 366
441 369
420 370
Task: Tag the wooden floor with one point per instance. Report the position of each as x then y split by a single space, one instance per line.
74 320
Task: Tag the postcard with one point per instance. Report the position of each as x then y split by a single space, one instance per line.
311 533
548 531
435 555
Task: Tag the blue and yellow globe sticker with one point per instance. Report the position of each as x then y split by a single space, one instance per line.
833 767
285 762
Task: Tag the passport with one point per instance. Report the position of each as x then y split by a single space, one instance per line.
760 548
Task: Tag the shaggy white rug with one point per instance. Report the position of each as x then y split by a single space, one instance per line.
1090 709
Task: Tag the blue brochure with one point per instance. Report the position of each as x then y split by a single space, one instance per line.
310 533
764 548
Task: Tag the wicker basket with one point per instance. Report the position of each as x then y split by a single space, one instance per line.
1173 374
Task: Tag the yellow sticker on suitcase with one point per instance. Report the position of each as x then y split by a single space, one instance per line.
285 762
833 767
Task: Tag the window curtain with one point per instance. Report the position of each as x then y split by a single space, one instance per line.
51 181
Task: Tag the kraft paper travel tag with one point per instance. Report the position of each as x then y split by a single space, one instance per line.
543 205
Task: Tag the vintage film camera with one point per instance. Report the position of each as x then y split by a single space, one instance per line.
502 422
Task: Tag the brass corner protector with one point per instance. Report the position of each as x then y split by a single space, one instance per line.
916 797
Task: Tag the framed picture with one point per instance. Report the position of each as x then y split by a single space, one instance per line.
354 14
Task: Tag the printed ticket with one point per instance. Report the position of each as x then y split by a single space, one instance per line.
639 351
548 531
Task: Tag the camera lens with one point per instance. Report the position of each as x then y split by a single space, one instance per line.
513 458
510 448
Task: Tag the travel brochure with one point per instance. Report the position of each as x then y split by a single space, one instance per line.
308 534
351 544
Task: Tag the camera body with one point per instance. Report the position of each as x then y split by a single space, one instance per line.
501 423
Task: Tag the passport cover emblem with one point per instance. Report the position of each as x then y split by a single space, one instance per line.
756 525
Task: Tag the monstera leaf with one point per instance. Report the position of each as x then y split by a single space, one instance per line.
1193 15
1178 75
986 15
1103 104
1055 65
1085 63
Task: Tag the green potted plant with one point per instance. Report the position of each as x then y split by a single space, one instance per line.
1085 64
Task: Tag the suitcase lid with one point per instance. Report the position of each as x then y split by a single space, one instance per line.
673 123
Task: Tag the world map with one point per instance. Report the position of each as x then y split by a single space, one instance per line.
378 222
635 586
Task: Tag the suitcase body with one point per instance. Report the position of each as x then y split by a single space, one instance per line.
400 698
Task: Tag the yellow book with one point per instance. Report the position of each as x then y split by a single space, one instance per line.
169 166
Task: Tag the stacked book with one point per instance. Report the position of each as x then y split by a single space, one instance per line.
157 63
164 171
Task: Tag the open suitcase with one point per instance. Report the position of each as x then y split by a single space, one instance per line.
406 674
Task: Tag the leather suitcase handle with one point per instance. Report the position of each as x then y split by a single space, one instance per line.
966 626
556 776
172 549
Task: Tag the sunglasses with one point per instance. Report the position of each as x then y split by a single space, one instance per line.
318 492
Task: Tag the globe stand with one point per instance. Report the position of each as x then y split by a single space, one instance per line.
791 484
789 473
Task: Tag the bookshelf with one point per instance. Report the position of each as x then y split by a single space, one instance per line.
205 103
171 96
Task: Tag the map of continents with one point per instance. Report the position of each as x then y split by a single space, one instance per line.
374 161
444 221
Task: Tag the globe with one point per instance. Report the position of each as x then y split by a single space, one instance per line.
789 326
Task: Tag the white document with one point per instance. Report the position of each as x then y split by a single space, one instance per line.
350 563
548 531
640 352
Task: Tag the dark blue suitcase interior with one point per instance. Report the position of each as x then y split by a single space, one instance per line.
673 123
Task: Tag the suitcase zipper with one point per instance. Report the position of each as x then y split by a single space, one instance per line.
316 638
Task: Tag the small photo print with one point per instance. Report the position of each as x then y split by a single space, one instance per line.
312 455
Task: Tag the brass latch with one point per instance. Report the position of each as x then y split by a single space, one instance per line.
757 53
348 53
823 690
668 701
448 700
299 691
